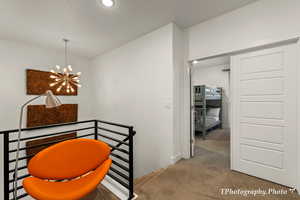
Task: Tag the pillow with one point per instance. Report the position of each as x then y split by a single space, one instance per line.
213 112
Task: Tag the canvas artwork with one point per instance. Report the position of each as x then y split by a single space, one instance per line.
38 82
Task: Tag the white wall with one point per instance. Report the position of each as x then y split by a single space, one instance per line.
15 58
178 75
259 23
134 85
213 76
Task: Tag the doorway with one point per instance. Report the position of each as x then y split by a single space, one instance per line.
210 80
263 116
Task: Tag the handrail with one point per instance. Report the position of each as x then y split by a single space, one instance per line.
114 124
66 124
45 127
52 134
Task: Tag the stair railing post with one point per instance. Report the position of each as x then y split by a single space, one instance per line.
96 130
131 190
6 165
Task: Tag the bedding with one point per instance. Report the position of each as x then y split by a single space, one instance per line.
212 119
209 122
213 112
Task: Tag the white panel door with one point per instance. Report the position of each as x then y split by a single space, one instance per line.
264 114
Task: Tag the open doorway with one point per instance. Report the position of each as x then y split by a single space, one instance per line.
210 81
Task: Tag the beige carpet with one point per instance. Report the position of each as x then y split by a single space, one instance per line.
204 177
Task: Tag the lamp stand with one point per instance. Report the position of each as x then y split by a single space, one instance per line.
51 102
18 145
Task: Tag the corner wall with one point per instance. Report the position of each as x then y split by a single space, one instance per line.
134 85
178 96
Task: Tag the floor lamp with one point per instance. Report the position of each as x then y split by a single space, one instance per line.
51 101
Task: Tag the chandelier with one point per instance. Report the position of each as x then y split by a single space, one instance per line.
63 78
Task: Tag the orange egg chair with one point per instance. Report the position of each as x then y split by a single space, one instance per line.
68 170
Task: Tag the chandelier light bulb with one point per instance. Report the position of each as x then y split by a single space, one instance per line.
59 88
70 68
52 84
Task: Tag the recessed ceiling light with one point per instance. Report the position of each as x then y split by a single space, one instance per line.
108 3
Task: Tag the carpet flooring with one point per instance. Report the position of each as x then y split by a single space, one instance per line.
205 177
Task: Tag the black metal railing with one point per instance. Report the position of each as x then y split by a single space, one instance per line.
118 136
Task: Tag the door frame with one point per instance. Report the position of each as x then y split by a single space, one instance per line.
298 115
187 136
192 128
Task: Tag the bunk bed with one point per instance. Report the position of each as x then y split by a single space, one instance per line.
208 108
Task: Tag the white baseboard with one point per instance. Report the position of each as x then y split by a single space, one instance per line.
117 189
176 158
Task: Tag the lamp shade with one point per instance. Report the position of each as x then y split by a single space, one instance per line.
51 101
